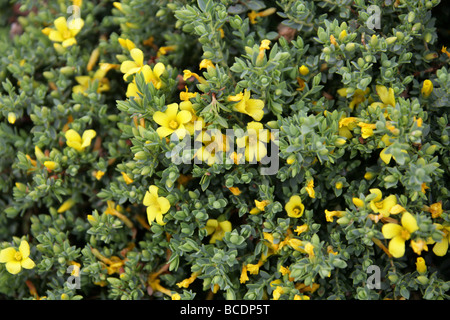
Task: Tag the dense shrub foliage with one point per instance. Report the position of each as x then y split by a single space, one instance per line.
225 149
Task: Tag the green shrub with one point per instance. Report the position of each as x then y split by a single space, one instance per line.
224 150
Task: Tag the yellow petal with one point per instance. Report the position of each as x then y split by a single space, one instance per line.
132 90
138 56
55 36
388 203
391 230
75 26
61 25
74 144
149 199
396 209
397 247
128 65
159 69
24 249
7 255
254 108
152 212
153 190
87 137
27 263
13 267
184 116
72 135
159 219
164 204
164 131
409 222
440 248
161 118
171 111
378 193
385 157
225 226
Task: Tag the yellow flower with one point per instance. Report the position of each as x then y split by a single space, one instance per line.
186 282
214 144
51 165
399 234
153 76
126 44
186 95
366 129
420 265
188 74
217 229
358 97
309 248
294 207
284 270
244 276
333 40
252 107
79 143
118 6
261 205
301 229
130 67
164 50
254 142
12 117
329 215
358 202
346 125
205 63
278 292
172 121
16 260
384 206
301 297
254 268
304 70
176 296
444 50
436 210
127 178
196 123
84 82
252 15
99 174
440 248
65 32
156 206
427 88
69 203
386 95
262 51
235 190
418 246
310 189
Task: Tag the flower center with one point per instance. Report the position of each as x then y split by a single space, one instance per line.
18 256
173 124
296 210
379 205
67 34
405 234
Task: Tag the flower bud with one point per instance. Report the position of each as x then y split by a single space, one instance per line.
12 117
303 70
